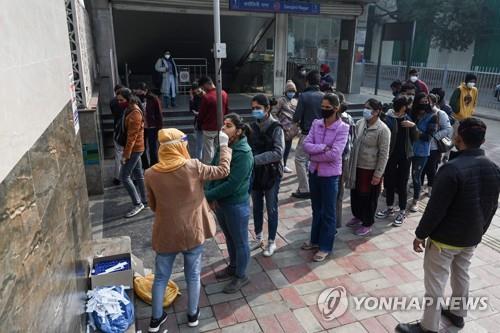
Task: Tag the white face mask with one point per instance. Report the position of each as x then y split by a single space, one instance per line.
167 56
413 78
471 85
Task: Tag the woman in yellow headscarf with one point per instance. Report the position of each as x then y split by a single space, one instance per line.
182 217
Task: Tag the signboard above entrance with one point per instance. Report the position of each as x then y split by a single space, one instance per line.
275 6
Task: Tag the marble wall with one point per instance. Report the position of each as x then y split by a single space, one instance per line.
45 235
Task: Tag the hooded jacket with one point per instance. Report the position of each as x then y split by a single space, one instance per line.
410 133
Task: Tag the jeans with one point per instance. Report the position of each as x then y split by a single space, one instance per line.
150 156
431 167
133 167
396 177
301 164
118 159
163 270
233 220
198 150
324 224
271 196
209 146
288 147
417 168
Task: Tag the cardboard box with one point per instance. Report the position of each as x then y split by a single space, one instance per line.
125 277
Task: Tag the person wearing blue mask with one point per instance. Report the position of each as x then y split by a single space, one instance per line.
267 142
367 164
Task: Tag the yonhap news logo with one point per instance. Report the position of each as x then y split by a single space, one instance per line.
333 303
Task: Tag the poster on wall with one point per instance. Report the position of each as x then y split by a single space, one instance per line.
72 92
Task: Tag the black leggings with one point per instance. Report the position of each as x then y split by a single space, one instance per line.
431 167
396 177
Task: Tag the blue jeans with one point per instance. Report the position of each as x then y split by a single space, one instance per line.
163 270
133 168
233 220
417 168
271 196
324 191
198 150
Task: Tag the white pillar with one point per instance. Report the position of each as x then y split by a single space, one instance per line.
280 53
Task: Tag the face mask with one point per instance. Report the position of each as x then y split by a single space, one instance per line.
471 85
367 114
327 113
258 114
167 56
290 95
303 73
413 78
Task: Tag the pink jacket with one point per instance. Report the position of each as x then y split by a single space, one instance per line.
325 146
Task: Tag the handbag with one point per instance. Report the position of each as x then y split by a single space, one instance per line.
444 145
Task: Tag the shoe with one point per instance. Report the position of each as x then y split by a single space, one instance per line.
301 195
411 328
287 170
257 244
154 324
307 246
400 218
385 213
320 256
235 285
363 231
193 320
225 274
134 211
457 321
414 206
271 247
354 223
173 102
116 182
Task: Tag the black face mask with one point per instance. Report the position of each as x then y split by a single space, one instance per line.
327 113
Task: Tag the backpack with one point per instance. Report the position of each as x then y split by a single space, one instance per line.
264 176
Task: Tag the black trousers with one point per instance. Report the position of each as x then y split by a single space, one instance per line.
150 156
364 198
431 167
397 173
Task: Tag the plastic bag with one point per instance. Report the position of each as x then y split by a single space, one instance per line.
110 309
144 284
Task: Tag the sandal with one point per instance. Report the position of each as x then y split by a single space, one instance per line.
320 256
308 246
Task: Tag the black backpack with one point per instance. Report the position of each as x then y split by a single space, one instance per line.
264 176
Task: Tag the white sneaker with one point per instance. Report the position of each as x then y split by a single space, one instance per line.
134 211
287 170
414 206
271 247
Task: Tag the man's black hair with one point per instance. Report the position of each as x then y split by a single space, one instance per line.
118 87
313 77
396 83
413 71
205 80
440 92
141 86
472 131
407 86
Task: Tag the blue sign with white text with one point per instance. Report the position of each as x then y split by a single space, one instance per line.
275 6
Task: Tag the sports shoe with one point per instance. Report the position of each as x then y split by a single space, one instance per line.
116 182
301 195
235 285
400 218
225 274
385 213
154 324
457 321
363 231
414 206
354 223
287 170
411 328
193 320
271 247
134 211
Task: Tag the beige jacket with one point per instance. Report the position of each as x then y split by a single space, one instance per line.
182 217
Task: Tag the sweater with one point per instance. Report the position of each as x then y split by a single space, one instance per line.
134 124
207 116
410 133
444 129
426 127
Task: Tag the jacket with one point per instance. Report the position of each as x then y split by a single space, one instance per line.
116 111
421 87
410 133
463 102
134 124
370 150
152 113
444 129
276 153
463 202
162 66
308 108
207 116
182 218
235 188
194 106
325 146
426 127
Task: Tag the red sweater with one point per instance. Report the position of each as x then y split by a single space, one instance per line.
207 117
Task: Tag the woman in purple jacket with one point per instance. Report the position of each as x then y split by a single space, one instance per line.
325 144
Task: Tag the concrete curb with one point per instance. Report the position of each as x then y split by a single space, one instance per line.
488 116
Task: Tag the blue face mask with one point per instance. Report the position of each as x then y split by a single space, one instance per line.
290 95
367 114
258 114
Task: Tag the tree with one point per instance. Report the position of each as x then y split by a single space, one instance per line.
453 24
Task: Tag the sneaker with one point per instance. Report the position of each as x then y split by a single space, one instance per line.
134 211
414 206
385 213
287 170
411 328
154 324
354 223
225 274
301 195
116 182
400 219
363 231
457 321
271 247
193 320
235 285
257 244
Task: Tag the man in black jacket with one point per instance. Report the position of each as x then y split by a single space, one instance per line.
116 112
308 109
463 202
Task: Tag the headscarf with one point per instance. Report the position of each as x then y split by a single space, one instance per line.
173 152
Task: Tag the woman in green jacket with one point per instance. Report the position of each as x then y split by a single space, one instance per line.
230 199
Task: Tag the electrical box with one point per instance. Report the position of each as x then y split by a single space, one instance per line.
220 51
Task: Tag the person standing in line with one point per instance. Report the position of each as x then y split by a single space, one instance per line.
325 143
459 213
397 171
207 116
366 167
396 87
420 85
426 122
444 130
284 112
327 82
268 144
195 96
133 150
117 113
182 218
230 199
463 101
308 109
299 78
166 65
153 122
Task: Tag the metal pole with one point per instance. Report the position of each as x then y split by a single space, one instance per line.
377 77
218 62
410 53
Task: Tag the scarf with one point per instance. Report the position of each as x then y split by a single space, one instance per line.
173 152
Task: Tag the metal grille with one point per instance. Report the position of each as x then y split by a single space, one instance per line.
73 44
192 69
